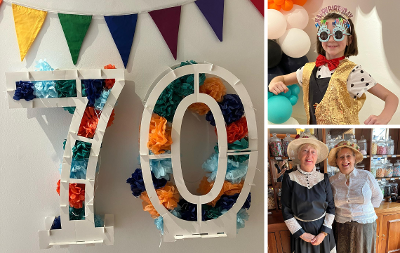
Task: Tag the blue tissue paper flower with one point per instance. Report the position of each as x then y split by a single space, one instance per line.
162 168
56 223
79 169
159 222
235 171
137 182
241 217
231 107
188 210
42 65
101 101
93 89
24 90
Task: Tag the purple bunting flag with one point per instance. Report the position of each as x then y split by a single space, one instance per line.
213 11
167 21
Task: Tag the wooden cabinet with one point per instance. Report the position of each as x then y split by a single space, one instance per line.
388 228
278 234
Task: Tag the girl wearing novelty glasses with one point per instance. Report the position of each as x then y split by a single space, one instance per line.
334 87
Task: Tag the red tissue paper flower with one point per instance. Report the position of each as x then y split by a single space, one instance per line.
236 130
76 195
109 82
89 122
58 187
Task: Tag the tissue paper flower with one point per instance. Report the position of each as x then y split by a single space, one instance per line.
66 88
168 196
93 89
109 83
231 107
227 189
81 150
76 195
214 87
236 145
137 182
24 90
236 130
235 171
159 135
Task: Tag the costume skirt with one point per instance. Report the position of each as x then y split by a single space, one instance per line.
354 237
298 245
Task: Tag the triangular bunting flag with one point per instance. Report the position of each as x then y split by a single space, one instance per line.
75 28
28 23
213 11
167 21
122 29
259 4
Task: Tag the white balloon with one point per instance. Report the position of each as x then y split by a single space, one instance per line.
295 42
276 24
297 17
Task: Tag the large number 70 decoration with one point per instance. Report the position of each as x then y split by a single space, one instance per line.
85 231
74 231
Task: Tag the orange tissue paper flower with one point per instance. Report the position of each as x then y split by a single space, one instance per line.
109 82
227 189
168 196
89 122
76 195
159 135
214 87
58 187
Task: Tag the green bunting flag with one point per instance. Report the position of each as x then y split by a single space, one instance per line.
75 28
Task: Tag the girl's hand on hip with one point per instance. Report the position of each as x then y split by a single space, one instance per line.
277 87
318 239
377 120
307 237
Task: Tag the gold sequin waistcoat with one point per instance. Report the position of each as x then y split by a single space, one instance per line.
337 107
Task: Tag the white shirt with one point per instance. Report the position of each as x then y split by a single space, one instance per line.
358 82
356 202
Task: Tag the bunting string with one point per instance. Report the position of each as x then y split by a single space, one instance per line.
97 16
28 22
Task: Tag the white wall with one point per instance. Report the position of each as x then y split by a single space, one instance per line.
31 143
376 25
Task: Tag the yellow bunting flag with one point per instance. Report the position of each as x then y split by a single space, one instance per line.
28 23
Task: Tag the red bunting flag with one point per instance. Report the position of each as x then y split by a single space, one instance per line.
167 21
259 4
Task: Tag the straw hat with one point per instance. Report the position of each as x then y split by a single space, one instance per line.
292 150
344 144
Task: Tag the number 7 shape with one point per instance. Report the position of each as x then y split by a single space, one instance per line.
74 231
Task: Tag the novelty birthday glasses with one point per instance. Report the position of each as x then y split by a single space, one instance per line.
338 32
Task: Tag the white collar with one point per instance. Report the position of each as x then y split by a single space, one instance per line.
353 173
305 172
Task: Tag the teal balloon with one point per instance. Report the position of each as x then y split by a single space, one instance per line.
293 99
295 89
270 94
279 109
287 94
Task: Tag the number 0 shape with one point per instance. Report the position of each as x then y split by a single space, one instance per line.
176 228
